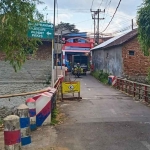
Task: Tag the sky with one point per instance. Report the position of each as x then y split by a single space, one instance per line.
78 12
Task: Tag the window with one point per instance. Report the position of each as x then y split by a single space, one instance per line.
131 53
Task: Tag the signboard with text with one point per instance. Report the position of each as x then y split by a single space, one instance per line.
70 87
41 30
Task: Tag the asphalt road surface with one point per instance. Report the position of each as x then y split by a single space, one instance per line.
105 119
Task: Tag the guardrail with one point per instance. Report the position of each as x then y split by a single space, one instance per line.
137 90
41 108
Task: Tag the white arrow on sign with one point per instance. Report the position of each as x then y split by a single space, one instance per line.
51 26
48 33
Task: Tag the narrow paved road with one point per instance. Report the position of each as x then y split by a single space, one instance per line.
105 119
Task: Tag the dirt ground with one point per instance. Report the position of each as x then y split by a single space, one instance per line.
42 139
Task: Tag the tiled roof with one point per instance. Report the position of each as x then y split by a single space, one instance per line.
118 40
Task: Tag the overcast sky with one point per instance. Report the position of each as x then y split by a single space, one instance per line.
78 12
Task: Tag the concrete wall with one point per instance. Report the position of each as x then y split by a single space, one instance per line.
109 60
32 77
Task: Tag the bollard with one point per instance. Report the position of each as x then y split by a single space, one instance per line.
23 113
32 112
43 109
12 135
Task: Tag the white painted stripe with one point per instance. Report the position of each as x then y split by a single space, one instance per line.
89 89
146 144
25 132
31 105
32 120
41 102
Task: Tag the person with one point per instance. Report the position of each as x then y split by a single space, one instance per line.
78 65
58 62
78 68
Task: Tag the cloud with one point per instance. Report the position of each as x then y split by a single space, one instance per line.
79 10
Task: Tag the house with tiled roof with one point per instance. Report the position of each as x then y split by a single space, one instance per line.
122 56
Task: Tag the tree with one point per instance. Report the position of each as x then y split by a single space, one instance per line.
15 16
67 26
144 26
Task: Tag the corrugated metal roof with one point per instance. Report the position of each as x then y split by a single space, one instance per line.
118 40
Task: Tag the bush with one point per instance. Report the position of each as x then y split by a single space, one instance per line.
101 76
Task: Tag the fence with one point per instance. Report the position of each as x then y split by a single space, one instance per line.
45 104
137 90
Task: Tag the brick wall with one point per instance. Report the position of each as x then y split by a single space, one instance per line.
134 66
43 53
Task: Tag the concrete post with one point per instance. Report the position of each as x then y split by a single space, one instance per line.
12 135
23 113
32 112
43 108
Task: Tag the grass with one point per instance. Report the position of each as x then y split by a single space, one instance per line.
54 120
101 76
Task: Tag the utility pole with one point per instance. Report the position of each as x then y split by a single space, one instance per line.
93 17
98 26
97 13
53 48
132 24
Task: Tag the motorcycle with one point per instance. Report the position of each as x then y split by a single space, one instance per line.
77 72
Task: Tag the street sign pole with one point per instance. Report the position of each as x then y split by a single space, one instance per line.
52 67
53 48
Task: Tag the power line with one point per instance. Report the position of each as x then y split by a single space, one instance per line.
92 4
100 4
112 16
105 14
96 13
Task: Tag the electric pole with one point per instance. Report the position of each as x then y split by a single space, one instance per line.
132 24
97 13
93 17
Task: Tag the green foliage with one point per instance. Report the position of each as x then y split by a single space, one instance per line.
101 76
54 120
15 16
148 77
144 26
67 26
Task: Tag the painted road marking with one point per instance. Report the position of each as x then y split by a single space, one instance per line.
85 83
146 144
89 89
113 111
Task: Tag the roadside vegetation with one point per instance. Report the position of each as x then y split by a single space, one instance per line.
101 76
54 119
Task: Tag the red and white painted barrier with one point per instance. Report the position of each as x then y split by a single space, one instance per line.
12 134
32 112
43 108
113 80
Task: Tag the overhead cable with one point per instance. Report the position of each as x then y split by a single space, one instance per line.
112 16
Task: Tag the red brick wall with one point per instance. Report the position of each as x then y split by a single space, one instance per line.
136 65
43 53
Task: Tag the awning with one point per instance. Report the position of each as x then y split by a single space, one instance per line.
78 51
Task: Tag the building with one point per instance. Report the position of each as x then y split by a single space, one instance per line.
75 44
121 56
